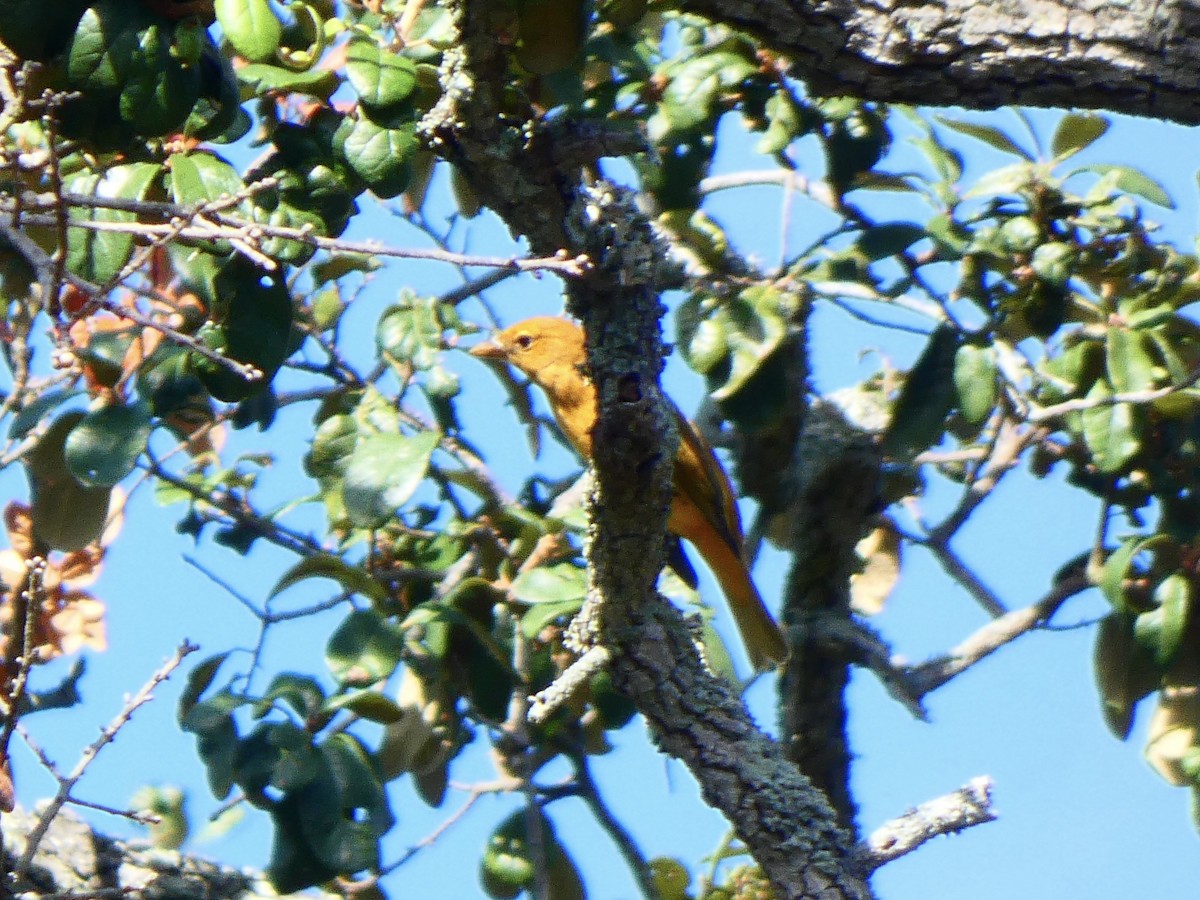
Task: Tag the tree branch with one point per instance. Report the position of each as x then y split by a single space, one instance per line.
785 823
969 805
65 784
1135 57
931 675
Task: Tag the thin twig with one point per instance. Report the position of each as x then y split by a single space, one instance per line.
794 181
1041 414
142 818
430 839
632 854
1011 442
241 513
66 784
224 585
954 566
28 599
931 675
233 228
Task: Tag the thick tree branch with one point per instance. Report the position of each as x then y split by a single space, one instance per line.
835 473
1136 57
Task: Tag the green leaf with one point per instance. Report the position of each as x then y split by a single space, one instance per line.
294 865
357 782
706 347
1127 357
853 147
1075 132
124 50
325 565
507 866
1124 673
217 115
302 693
691 96
275 754
1009 179
251 27
105 44
563 879
615 709
1045 308
1161 630
378 155
370 705
255 328
1054 262
881 241
198 681
383 473
343 264
538 616
167 381
946 162
343 811
975 381
1111 431
950 238
365 648
1133 181
751 328
38 31
216 739
411 332
929 393
787 122
103 448
35 413
1116 570
551 584
993 137
160 91
262 78
671 877
332 445
1020 234
199 177
380 78
66 515
99 256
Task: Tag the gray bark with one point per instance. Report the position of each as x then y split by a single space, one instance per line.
1137 57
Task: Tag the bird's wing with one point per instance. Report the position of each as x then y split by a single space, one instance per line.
700 478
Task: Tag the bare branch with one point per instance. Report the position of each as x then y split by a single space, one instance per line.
968 806
67 783
931 675
1041 414
546 702
208 223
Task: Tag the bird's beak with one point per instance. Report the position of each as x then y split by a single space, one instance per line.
489 349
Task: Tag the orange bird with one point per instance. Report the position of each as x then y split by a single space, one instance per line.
551 352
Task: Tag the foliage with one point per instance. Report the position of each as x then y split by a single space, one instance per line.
188 292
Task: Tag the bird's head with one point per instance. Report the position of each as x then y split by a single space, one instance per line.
537 346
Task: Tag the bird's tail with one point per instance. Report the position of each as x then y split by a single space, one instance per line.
762 638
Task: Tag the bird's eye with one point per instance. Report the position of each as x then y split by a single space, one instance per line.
524 341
